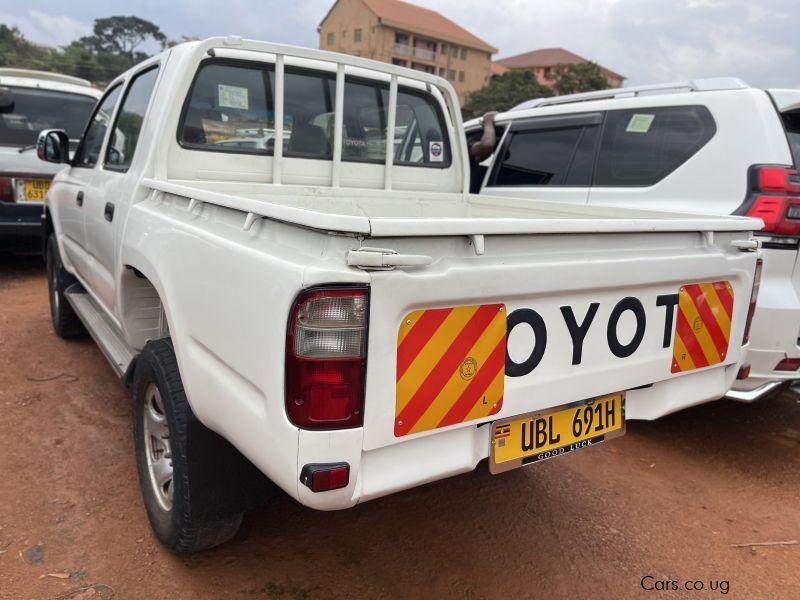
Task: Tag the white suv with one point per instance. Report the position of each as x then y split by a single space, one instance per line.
707 146
29 102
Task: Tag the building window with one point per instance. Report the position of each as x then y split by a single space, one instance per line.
463 54
442 72
454 51
451 75
461 76
330 39
400 62
357 35
424 68
445 48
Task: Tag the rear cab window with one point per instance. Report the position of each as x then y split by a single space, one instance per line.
231 108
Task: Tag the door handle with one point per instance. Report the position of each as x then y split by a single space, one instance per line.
108 213
79 198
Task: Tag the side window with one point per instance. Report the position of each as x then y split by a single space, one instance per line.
640 147
125 134
92 142
537 157
582 166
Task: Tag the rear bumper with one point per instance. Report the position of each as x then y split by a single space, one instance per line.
21 220
754 394
415 462
776 322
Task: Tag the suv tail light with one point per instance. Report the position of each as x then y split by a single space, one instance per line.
326 358
774 198
6 189
753 299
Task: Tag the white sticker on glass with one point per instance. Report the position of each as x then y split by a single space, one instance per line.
230 96
640 123
436 152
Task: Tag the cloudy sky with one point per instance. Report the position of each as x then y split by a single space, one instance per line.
646 40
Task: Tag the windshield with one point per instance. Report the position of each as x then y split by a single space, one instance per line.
34 110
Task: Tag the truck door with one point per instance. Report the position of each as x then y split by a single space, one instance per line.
70 200
110 189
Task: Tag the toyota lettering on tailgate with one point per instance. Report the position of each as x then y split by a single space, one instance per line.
451 362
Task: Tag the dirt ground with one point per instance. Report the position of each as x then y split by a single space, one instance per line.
667 502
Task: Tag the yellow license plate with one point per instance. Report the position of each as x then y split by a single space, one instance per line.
538 436
34 190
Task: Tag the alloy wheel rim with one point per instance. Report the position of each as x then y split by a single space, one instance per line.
157 448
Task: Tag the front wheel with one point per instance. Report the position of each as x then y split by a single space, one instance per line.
65 322
177 506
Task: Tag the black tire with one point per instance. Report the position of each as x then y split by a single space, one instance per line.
65 322
195 520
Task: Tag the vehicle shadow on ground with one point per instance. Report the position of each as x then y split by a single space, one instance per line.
16 266
760 439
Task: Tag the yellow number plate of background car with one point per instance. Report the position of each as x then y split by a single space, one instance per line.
538 436
34 190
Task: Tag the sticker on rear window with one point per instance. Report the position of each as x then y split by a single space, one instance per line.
230 96
436 152
640 123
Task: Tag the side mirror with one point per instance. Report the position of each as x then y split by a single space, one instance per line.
53 146
6 100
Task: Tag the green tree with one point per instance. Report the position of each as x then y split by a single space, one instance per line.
578 77
17 52
121 35
504 92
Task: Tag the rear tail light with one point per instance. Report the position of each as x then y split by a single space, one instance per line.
788 364
753 299
774 198
6 189
326 358
744 371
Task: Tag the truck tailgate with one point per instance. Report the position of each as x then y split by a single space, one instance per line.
539 321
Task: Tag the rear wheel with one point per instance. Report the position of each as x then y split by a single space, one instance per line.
185 509
65 322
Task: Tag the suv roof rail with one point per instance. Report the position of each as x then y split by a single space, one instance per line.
694 85
47 75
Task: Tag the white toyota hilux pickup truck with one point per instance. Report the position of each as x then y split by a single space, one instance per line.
295 300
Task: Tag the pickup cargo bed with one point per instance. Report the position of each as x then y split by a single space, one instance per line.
398 213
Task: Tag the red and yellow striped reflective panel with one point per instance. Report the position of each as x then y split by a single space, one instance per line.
703 325
450 366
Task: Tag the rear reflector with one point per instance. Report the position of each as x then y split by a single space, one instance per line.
744 371
753 299
326 358
325 477
6 189
788 364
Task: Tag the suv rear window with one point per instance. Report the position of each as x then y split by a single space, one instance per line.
230 108
34 109
640 147
791 121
